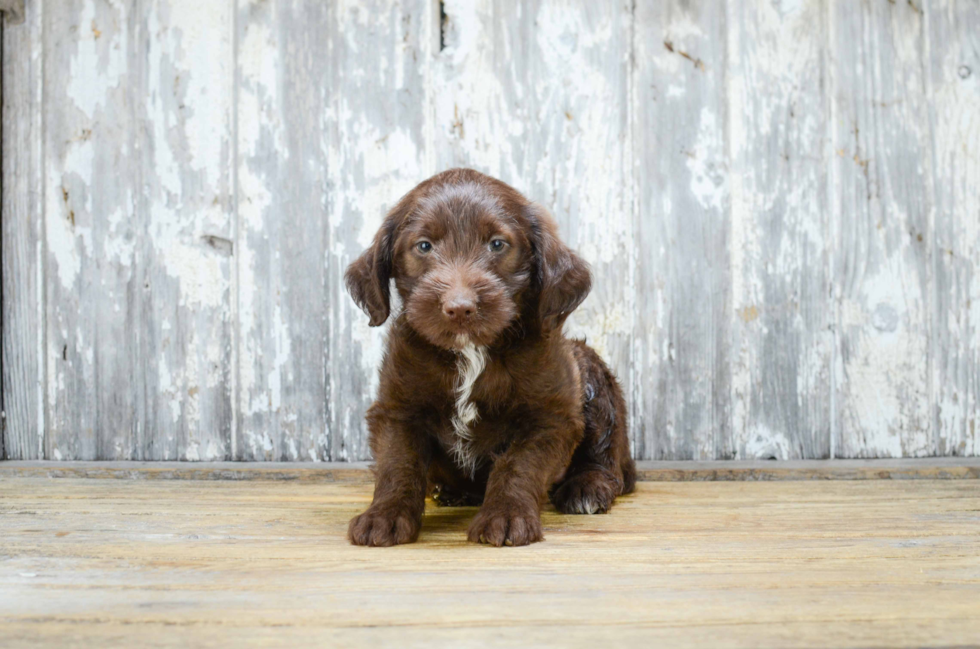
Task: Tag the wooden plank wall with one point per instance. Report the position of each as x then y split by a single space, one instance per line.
779 199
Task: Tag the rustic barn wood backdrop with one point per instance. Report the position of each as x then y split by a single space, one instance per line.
780 200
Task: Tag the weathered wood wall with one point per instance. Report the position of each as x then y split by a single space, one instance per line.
780 199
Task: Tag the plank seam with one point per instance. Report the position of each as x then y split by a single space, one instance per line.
832 194
926 56
3 355
635 372
42 243
237 247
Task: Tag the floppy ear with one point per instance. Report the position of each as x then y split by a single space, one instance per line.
368 278
562 277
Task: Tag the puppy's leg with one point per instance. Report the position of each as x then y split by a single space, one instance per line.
401 463
601 468
519 482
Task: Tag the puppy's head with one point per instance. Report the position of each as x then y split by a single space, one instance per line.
469 256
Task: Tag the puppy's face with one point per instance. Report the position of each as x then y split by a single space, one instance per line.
461 264
469 256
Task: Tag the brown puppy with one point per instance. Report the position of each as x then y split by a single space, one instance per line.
482 396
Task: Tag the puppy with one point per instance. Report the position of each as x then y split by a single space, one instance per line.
482 399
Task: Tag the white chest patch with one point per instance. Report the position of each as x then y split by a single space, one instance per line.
470 362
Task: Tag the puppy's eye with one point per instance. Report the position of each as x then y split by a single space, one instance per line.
423 247
497 245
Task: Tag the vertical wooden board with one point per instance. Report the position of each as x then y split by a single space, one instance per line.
331 108
783 329
91 187
954 98
282 106
136 187
537 94
881 211
3 416
681 176
378 151
184 244
471 102
23 351
574 80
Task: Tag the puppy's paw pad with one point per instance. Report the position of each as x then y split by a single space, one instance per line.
506 527
383 529
586 493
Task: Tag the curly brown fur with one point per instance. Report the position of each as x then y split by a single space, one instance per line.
601 467
482 398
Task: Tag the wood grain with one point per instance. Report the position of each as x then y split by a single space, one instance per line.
328 140
282 193
882 181
22 223
110 563
184 53
379 150
953 77
782 332
93 287
681 179
134 196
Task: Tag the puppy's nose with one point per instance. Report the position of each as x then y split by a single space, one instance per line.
459 307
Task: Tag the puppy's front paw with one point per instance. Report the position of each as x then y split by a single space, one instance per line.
503 525
383 528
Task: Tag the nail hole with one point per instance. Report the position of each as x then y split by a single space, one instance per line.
443 25
221 244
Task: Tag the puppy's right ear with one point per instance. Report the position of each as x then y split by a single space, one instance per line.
368 278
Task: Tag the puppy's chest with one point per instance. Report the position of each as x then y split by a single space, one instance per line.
485 384
480 389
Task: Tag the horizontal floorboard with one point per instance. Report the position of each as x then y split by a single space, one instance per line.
168 563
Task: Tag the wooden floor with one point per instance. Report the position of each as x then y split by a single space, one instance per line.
160 563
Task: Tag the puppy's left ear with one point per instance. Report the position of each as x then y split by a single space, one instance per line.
562 277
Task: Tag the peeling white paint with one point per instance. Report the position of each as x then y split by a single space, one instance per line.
103 53
709 178
60 239
764 444
763 136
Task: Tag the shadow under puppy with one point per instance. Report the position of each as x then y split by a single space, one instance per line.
482 398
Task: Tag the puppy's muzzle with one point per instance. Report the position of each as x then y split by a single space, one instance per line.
459 305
